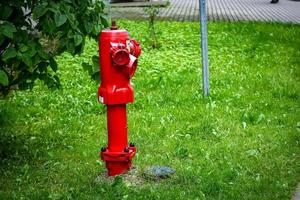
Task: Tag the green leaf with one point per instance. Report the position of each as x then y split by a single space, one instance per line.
95 60
96 28
32 48
21 37
70 34
104 19
3 78
53 64
87 67
77 39
60 19
1 39
104 4
27 60
9 53
23 48
39 10
35 60
88 27
96 76
72 19
5 12
70 47
8 29
49 25
43 54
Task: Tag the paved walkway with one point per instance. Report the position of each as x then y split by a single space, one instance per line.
297 195
286 11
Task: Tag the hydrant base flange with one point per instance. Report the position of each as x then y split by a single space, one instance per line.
118 162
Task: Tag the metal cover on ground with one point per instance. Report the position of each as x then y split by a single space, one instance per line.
159 172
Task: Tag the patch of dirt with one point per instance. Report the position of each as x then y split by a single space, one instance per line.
136 177
132 177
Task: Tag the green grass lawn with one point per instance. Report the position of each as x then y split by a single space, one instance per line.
240 143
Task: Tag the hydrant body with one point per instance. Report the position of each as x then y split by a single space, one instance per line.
118 56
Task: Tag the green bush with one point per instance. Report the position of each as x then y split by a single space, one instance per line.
33 32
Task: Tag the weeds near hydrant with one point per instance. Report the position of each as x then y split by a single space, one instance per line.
152 12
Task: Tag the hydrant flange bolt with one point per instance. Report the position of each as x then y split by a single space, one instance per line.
132 144
103 149
126 150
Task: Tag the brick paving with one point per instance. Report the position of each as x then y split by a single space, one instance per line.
286 11
297 195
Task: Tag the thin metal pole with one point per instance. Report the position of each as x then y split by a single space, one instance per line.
205 74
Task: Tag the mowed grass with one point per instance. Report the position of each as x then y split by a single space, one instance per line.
240 143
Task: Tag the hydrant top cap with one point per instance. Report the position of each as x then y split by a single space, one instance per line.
113 25
109 34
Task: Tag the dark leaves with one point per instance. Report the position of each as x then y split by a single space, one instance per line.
40 10
9 53
29 44
60 19
5 12
8 29
93 69
3 78
53 64
77 39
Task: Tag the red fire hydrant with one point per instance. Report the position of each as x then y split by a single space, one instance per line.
118 62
